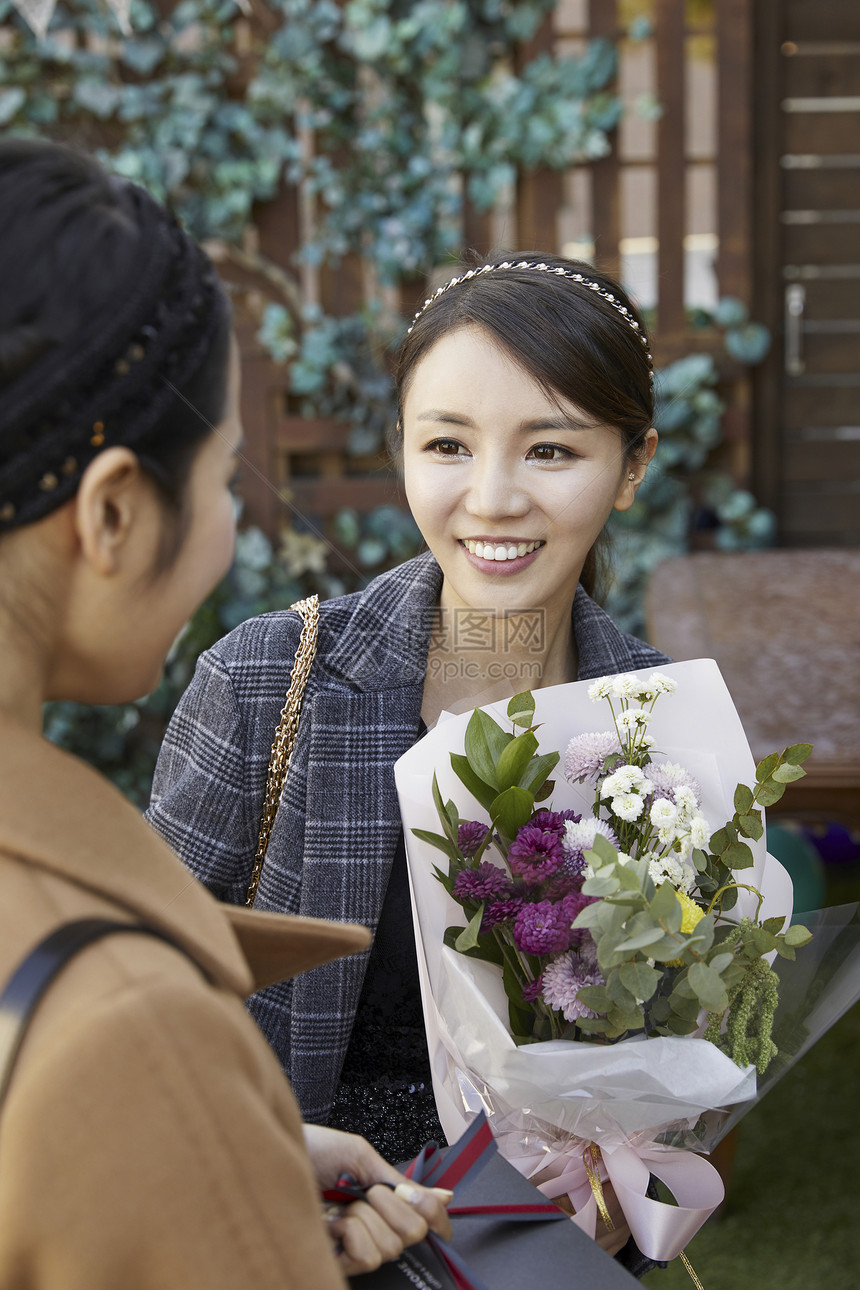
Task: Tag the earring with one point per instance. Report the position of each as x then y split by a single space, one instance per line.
632 475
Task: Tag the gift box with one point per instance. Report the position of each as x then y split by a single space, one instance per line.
501 1253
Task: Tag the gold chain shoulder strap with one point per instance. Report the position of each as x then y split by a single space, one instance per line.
285 735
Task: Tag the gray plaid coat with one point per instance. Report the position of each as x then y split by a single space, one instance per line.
338 824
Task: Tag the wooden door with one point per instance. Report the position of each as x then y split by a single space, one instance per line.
807 437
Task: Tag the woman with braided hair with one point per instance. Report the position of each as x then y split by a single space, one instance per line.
525 412
148 1138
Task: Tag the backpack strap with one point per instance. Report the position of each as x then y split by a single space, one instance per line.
35 972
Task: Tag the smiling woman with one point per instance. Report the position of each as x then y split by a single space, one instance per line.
149 1137
525 406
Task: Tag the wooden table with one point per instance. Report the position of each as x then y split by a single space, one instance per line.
784 628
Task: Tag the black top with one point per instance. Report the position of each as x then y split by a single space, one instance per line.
385 1090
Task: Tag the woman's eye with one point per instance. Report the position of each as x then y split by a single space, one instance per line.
445 447
550 452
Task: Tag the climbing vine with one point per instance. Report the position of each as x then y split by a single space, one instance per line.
417 110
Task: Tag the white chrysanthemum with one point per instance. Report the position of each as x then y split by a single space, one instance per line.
579 835
646 741
627 779
669 869
685 800
667 776
627 806
663 814
600 689
633 720
586 754
700 831
628 686
661 684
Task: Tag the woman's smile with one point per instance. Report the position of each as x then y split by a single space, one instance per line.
509 485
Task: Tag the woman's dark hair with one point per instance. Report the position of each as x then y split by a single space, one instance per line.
575 344
113 330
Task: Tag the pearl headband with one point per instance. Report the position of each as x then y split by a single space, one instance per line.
540 267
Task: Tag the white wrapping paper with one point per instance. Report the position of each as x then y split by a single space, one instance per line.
655 1088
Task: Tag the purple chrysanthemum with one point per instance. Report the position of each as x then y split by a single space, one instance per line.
533 989
535 854
563 978
586 754
470 836
500 911
548 822
542 928
483 883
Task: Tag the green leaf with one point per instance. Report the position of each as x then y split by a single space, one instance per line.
738 856
666 907
678 1026
743 799
639 941
468 938
521 709
719 841
537 771
709 989
496 737
544 791
450 833
751 825
798 935
514 759
774 924
721 961
785 951
511 810
522 1017
594 997
478 750
640 979
766 767
787 774
684 1006
487 948
436 840
481 791
797 753
769 794
603 849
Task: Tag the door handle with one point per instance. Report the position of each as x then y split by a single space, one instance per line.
795 303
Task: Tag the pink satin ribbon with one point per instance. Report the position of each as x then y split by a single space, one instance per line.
661 1231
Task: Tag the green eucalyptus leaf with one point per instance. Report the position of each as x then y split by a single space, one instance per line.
601 850
709 989
640 979
770 793
751 825
766 767
738 856
797 753
743 799
798 935
640 940
787 774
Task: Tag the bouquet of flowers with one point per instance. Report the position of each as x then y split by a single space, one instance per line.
627 902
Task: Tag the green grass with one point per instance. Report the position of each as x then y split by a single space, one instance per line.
791 1220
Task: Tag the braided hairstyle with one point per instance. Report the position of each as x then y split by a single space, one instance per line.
114 330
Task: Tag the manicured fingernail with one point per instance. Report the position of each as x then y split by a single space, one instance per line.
443 1193
406 1191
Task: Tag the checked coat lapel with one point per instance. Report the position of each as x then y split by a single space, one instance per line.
366 717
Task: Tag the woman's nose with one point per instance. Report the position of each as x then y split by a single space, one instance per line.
495 490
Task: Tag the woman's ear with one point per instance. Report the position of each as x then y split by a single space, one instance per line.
634 472
111 508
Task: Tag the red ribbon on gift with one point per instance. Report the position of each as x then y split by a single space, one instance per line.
462 1161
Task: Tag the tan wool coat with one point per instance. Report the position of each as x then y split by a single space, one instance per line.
148 1138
